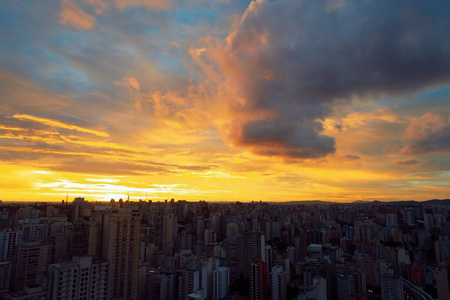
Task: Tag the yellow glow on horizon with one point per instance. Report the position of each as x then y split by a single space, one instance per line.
180 161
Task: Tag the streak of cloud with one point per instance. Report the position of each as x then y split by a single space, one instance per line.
58 124
128 82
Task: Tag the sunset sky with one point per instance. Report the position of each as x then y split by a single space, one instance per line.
272 100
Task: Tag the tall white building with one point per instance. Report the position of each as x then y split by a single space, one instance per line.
285 264
278 286
220 283
78 279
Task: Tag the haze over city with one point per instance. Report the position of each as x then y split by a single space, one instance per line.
224 100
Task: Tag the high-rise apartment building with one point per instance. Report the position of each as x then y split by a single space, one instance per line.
391 287
159 286
85 237
5 277
165 229
120 247
278 283
35 229
391 221
258 280
428 221
8 240
191 282
81 279
365 230
220 282
408 216
31 260
442 281
350 282
254 248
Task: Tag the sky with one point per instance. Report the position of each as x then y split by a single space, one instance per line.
224 100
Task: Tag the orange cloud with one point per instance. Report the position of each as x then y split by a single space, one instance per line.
129 82
3 127
73 16
150 4
427 124
100 6
429 133
59 124
167 104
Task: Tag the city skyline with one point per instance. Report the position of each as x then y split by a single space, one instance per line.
224 100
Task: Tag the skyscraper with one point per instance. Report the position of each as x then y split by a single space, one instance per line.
84 237
258 280
30 262
120 247
391 221
78 279
428 221
351 281
391 287
220 282
254 248
159 286
8 240
278 283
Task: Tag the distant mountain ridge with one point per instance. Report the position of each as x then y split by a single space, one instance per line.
407 202
401 202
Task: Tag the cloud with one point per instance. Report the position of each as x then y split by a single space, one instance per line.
285 139
408 162
58 124
352 157
128 82
283 72
100 6
167 104
149 4
73 16
429 133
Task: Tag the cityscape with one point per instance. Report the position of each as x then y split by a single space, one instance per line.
225 149
199 250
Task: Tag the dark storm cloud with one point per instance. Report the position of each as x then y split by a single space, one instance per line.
290 60
286 139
